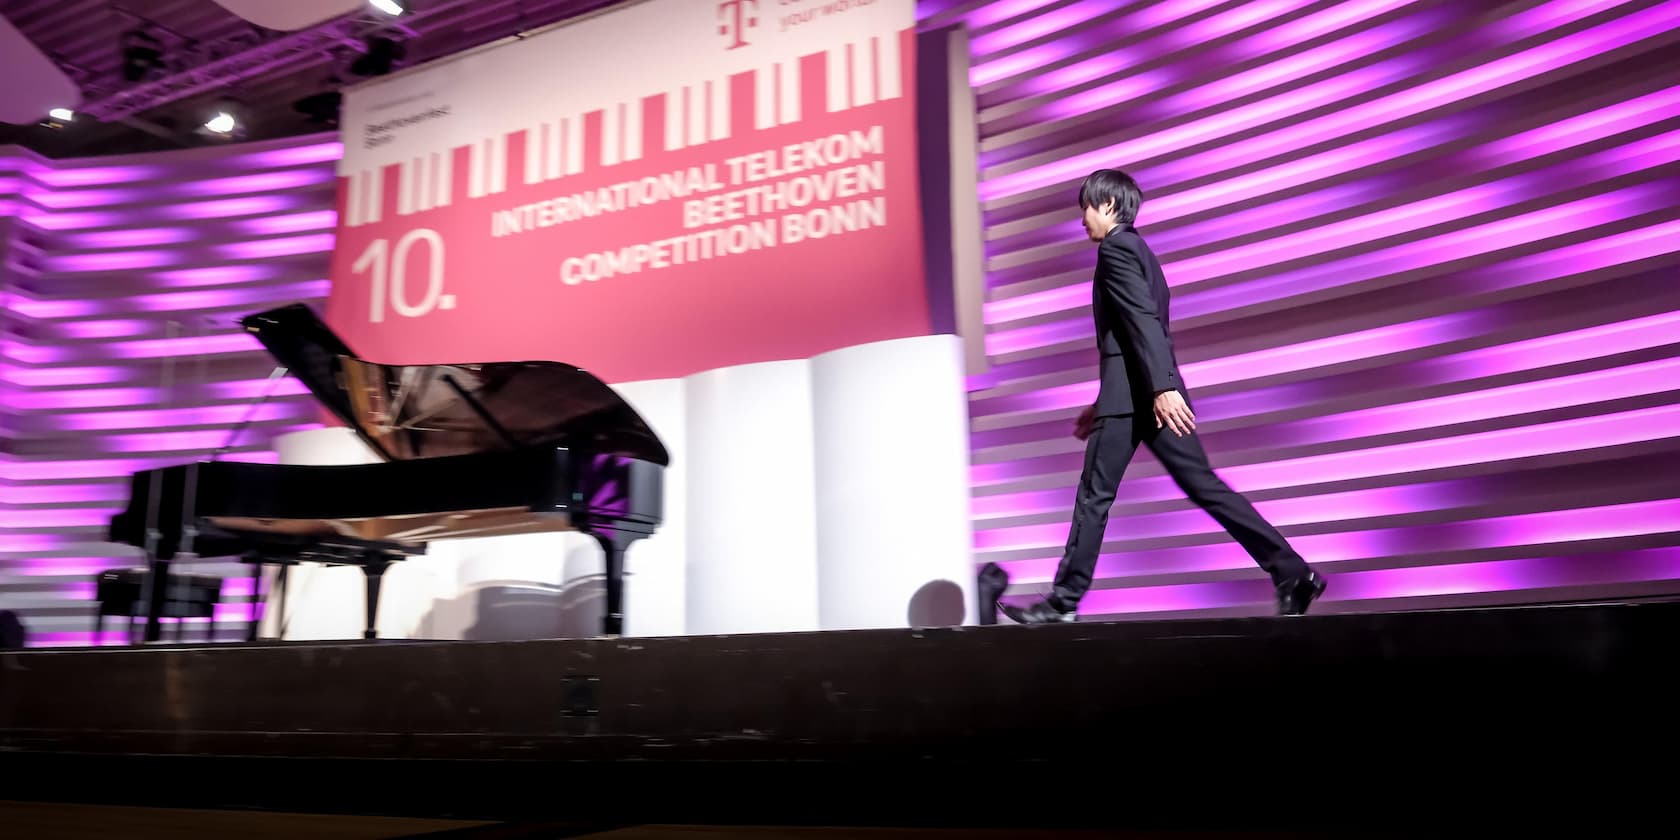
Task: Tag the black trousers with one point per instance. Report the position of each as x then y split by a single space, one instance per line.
1107 452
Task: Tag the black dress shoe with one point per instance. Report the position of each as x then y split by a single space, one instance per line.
1294 596
1040 612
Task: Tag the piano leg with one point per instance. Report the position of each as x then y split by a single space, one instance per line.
374 568
281 582
257 599
614 542
156 585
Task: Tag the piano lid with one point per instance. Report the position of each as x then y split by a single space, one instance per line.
418 411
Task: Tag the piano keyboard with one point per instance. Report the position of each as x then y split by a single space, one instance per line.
563 145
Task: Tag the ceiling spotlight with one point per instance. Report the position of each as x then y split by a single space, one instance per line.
142 53
321 108
62 114
222 123
225 118
379 56
390 7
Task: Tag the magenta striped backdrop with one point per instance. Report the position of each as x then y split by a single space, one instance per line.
1424 255
123 282
1424 263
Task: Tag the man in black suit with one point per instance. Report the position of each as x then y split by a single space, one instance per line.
1141 400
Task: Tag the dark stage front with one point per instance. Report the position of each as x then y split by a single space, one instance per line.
1415 719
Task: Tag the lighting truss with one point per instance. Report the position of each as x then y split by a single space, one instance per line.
214 71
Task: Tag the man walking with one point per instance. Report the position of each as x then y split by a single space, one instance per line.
1141 401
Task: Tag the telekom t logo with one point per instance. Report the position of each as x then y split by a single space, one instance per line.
738 17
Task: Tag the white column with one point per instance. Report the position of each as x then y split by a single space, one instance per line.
655 595
891 442
752 552
511 587
540 586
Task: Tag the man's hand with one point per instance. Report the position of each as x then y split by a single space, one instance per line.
1172 413
1087 419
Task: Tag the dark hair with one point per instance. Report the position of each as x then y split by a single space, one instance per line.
1105 185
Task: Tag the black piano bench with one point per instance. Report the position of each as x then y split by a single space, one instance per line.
185 596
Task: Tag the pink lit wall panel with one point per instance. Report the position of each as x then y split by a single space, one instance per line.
123 280
1426 268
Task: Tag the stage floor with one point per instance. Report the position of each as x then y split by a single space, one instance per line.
1261 722
54 821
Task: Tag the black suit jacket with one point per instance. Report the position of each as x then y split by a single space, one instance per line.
1129 300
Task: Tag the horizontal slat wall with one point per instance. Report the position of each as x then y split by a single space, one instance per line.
124 279
1425 258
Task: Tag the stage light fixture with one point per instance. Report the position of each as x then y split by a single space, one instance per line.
225 118
222 123
62 114
142 53
379 55
321 108
390 7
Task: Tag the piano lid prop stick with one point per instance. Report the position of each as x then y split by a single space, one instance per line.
189 523
250 413
189 490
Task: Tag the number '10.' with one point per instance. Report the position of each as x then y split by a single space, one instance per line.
390 275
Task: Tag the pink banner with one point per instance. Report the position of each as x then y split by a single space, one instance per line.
751 198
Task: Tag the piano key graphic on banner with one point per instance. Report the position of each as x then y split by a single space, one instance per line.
554 150
621 133
764 97
489 167
537 152
483 155
572 142
424 184
787 91
366 193
889 77
612 135
861 54
632 135
839 79
498 164
717 93
440 180
477 164
694 113
675 119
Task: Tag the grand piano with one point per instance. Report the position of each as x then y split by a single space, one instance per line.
467 450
